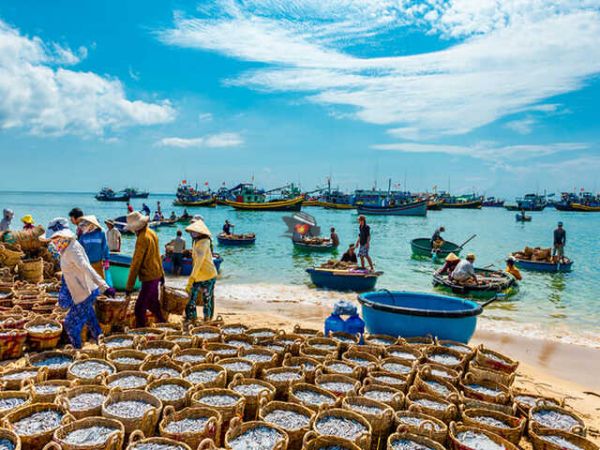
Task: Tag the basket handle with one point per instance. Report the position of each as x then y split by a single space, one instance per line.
168 411
207 444
52 446
427 426
68 418
234 424
308 438
136 435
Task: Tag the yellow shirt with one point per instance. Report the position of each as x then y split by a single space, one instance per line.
203 268
514 272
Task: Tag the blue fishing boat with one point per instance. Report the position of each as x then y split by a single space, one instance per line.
543 266
108 195
187 195
135 193
236 240
529 202
492 202
410 314
187 264
417 208
343 280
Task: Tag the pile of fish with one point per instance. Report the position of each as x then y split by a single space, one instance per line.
89 436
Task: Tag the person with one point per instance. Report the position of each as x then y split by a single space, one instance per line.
147 265
157 217
173 216
227 227
129 208
364 241
7 217
93 240
436 240
450 264
464 273
177 257
560 240
350 255
185 213
512 268
80 284
146 209
28 222
75 215
113 237
333 236
204 274
523 214
158 209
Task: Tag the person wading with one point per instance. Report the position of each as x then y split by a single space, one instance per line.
146 264
7 217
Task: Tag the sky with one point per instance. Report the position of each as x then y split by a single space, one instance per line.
495 97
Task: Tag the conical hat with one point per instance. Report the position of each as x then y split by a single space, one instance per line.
199 227
93 220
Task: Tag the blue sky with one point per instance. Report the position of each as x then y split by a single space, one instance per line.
500 97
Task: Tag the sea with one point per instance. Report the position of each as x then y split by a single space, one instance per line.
563 307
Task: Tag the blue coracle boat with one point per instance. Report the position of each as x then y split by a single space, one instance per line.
541 266
343 280
236 240
410 314
186 268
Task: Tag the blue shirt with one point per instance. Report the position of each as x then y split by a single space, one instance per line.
95 246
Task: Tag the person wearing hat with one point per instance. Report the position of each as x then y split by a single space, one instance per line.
7 217
204 274
450 264
28 222
512 268
147 265
113 237
465 272
560 240
350 255
80 284
93 240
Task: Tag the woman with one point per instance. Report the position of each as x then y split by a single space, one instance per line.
204 274
28 222
93 240
451 262
80 283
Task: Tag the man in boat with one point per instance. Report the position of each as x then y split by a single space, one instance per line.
146 209
129 208
158 209
450 264
178 246
173 216
465 272
523 214
7 216
93 240
333 236
512 268
436 240
113 237
350 255
560 240
227 227
157 217
364 241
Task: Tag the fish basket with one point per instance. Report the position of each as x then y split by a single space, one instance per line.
44 308
184 341
156 348
146 422
11 437
347 368
233 328
345 340
118 341
207 333
229 411
47 391
148 333
338 385
90 371
380 340
221 350
397 366
174 300
192 356
259 335
47 339
37 439
406 352
218 380
18 378
485 390
526 400
573 425
278 347
162 367
282 378
19 399
253 397
363 359
362 439
307 332
509 409
83 410
379 415
324 343
317 353
13 320
12 343
241 341
455 431
295 433
307 365
479 372
126 359
291 340
114 440
445 356
459 347
262 358
239 429
158 389
512 429
494 360
128 379
439 372
312 441
432 406
235 366
384 394
9 257
320 398
191 436
169 328
31 270
400 382
376 350
111 310
137 441
547 439
437 387
417 440
421 424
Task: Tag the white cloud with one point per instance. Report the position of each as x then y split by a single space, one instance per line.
522 126
220 140
205 117
38 94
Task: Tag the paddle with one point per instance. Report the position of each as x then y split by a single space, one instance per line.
492 300
467 241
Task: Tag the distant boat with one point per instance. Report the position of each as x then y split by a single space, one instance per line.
471 201
522 218
418 208
529 202
187 195
108 195
492 202
294 204
134 193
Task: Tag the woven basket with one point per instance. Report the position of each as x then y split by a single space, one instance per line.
12 437
207 333
148 333
527 400
503 398
307 332
324 343
228 412
395 397
114 440
332 401
268 358
111 310
147 422
429 426
139 357
32 270
439 372
238 428
38 440
219 381
192 356
45 340
241 341
291 340
537 434
381 423
307 365
278 347
471 403
221 350
97 379
23 395
192 438
408 353
347 368
162 346
317 353
39 396
312 441
400 382
512 432
447 414
363 440
252 401
65 398
9 257
248 370
455 429
376 350
112 381
459 347
323 382
259 335
420 342
380 340
420 440
119 341
137 441
579 429
431 352
344 339
494 360
282 386
295 435
234 328
12 343
37 375
479 372
446 390
175 403
169 328
174 300
184 341
162 367
363 359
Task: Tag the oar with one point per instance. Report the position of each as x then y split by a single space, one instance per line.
492 300
467 241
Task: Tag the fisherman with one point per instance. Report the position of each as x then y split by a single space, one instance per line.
364 241
80 285
173 216
227 228
560 240
464 273
157 217
450 264
129 208
334 238
185 213
436 240
178 245
28 222
512 268
158 209
93 240
113 237
7 217
523 214
204 273
146 209
147 265
350 255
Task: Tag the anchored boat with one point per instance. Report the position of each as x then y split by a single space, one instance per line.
422 247
236 239
314 245
187 264
418 208
108 195
491 283
135 193
119 271
544 266
344 280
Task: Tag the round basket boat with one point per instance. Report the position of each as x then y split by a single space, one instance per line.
422 247
236 239
416 314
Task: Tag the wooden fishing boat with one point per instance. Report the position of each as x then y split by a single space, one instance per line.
236 239
418 208
435 205
205 203
332 205
108 195
294 204
584 208
311 203
422 247
492 283
344 280
544 266
521 218
472 204
135 193
187 264
325 246
119 271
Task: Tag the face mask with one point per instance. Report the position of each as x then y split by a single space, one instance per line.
61 244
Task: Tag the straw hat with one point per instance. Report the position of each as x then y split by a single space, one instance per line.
136 221
28 219
198 227
452 257
471 256
65 233
92 219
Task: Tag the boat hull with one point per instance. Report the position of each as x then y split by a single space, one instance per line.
520 218
527 208
120 198
507 288
330 205
301 246
435 206
294 204
119 271
540 266
584 208
413 209
187 264
209 203
343 280
422 247
235 242
463 205
412 314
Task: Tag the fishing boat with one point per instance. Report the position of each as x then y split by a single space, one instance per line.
187 195
108 195
529 202
491 284
492 202
411 314
135 193
119 271
522 218
357 280
434 204
314 245
310 202
187 264
543 266
206 203
583 202
422 247
418 208
335 199
470 201
236 239
585 208
245 197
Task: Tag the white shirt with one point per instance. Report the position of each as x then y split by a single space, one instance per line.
113 240
464 270
80 276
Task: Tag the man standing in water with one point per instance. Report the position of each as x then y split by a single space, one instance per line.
364 242
560 240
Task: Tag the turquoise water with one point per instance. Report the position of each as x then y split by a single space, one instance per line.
549 300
